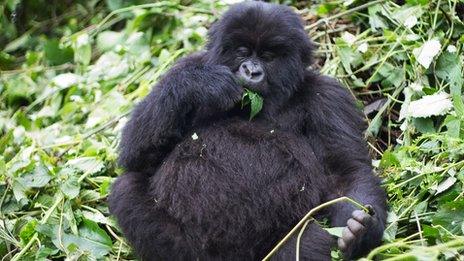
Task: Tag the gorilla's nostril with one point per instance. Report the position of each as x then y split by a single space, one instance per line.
244 68
256 73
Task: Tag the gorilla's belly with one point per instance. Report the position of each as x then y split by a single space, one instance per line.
234 158
232 174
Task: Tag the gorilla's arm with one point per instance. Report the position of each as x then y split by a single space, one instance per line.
337 127
189 91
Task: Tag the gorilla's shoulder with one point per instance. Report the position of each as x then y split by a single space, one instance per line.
318 84
195 58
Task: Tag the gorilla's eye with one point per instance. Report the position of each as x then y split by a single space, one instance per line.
268 56
242 51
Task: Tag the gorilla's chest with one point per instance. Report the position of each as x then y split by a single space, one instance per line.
245 148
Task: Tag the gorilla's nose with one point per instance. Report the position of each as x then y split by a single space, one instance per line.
252 72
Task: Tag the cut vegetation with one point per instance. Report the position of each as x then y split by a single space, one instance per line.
71 71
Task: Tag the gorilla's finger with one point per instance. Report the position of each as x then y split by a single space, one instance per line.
342 245
357 228
362 217
370 209
348 236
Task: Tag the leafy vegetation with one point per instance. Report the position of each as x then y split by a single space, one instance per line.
72 70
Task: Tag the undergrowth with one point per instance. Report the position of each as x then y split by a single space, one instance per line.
71 71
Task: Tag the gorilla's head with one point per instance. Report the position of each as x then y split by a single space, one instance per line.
264 44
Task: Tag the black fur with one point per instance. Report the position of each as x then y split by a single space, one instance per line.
234 192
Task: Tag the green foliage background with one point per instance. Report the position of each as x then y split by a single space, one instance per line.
70 72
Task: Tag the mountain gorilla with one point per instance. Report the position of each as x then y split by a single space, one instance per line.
203 182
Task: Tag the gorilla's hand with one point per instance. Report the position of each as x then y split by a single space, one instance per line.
356 227
216 88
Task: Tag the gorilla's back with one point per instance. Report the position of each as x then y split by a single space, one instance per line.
231 162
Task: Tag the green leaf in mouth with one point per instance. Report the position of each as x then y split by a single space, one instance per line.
255 101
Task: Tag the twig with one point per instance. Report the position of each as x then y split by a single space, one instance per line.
38 69
309 215
298 240
26 248
419 228
457 243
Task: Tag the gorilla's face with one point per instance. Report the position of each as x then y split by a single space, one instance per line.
264 44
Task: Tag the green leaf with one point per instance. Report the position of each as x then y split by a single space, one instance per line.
44 252
326 8
28 230
375 20
450 216
19 191
392 227
389 159
69 217
69 184
19 89
5 140
107 109
6 61
256 105
392 76
421 207
335 231
97 217
91 239
87 164
82 49
424 125
105 187
70 187
83 54
56 55
350 58
90 195
453 126
48 230
403 14
449 68
36 179
430 233
255 101
107 40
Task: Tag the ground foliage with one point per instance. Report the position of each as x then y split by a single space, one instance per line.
70 72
